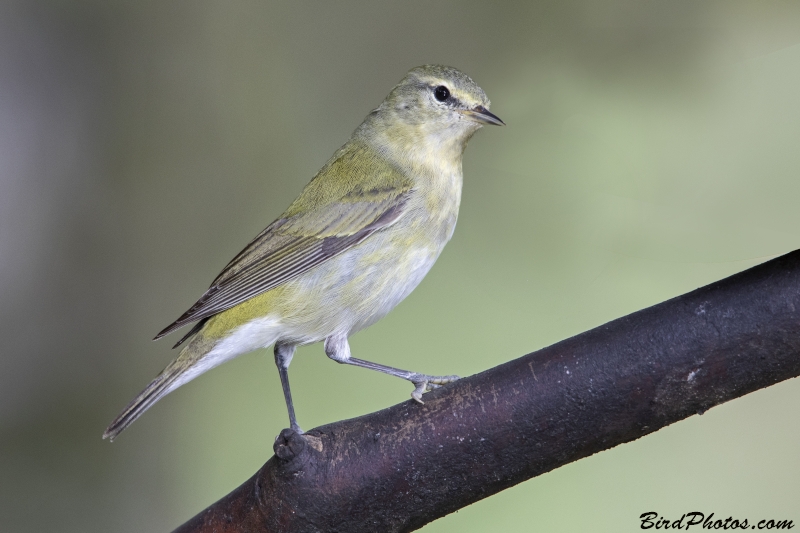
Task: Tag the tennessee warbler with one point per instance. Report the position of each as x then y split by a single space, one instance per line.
354 244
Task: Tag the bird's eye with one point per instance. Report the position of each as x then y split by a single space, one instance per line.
441 93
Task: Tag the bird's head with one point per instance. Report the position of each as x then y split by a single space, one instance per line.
436 103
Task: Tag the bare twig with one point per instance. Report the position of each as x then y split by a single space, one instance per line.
400 468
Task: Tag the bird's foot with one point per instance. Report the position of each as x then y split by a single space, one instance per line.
424 383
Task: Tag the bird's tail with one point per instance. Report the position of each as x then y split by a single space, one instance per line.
187 366
157 389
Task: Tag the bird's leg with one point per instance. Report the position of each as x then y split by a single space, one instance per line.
283 356
338 349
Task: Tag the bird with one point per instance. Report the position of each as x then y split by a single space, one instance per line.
360 237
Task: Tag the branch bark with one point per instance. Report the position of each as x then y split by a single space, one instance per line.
398 469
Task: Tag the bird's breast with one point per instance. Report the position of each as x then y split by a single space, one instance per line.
434 208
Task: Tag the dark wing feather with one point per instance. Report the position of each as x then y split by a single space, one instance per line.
197 327
279 254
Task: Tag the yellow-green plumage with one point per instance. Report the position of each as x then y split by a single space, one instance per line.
356 242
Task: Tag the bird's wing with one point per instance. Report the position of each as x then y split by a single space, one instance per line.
356 194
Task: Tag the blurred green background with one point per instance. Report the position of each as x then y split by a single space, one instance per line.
651 148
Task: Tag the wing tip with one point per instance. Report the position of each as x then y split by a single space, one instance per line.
184 319
177 325
167 330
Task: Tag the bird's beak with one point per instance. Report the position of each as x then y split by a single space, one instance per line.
483 115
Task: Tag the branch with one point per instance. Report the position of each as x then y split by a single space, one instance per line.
398 469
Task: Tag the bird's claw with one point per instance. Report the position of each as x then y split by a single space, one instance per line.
425 383
422 386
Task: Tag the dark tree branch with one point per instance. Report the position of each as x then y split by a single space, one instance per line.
400 468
